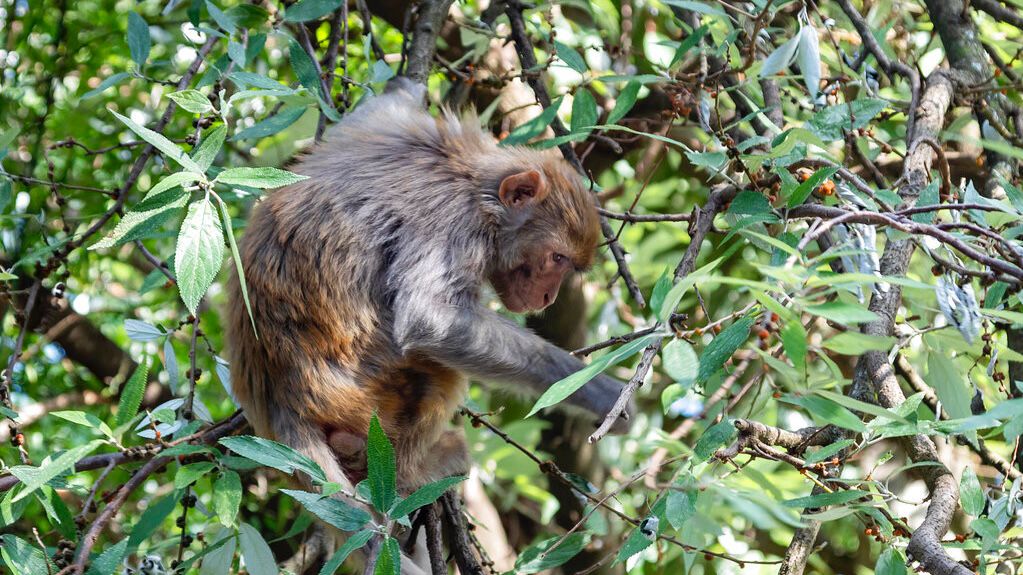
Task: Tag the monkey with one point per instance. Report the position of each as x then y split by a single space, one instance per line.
367 281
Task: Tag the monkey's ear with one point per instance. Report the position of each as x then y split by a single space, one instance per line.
522 189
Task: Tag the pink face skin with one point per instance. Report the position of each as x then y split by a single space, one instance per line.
534 284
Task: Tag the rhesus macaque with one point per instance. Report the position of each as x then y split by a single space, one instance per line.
366 285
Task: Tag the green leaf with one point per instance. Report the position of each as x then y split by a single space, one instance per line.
856 343
842 312
145 218
830 411
793 340
110 559
237 258
151 518
680 362
307 10
570 57
389 560
804 189
175 180
209 147
566 387
722 347
584 110
227 497
262 178
225 21
949 384
624 103
891 561
827 451
660 291
273 454
161 143
681 507
305 69
356 541
271 125
861 406
425 495
637 540
131 394
192 100
688 44
259 560
715 437
826 499
107 82
970 492
23 558
220 555
190 473
199 253
536 557
333 511
533 128
380 467
381 72
139 42
829 123
32 478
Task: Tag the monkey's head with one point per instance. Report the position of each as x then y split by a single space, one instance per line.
549 229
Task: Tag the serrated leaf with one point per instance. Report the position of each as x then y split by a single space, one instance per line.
380 463
570 57
637 540
780 59
680 362
537 558
273 454
721 348
227 497
192 100
809 57
271 125
259 560
131 394
425 495
225 21
307 10
842 312
949 384
158 141
533 128
333 511
567 386
139 42
23 558
199 253
806 188
191 473
141 331
32 478
826 499
389 559
829 123
209 147
109 560
262 178
177 179
681 507
145 218
107 82
624 103
356 541
970 493
304 68
715 437
584 110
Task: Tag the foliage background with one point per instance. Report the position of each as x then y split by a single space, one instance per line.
728 136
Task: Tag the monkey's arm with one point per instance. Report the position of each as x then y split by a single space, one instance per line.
485 345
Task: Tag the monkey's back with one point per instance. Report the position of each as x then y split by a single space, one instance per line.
318 259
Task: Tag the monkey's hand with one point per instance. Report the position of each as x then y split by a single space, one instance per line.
606 390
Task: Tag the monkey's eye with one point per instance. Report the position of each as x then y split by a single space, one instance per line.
558 258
